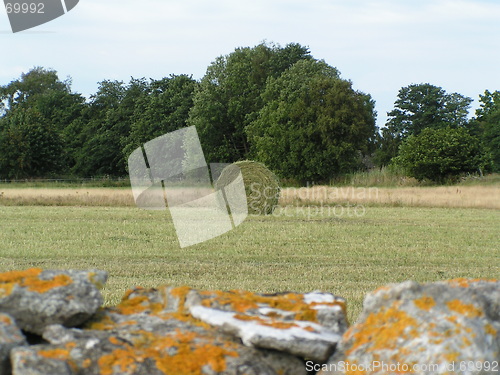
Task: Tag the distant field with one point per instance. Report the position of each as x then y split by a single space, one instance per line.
457 196
297 250
67 196
440 196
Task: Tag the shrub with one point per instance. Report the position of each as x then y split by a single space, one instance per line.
441 154
261 185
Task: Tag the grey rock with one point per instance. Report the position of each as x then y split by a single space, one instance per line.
149 333
10 337
306 325
27 361
148 347
37 299
440 328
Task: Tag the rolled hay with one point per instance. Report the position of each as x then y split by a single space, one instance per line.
262 187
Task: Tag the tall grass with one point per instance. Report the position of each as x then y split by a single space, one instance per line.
440 196
393 177
95 197
384 177
458 196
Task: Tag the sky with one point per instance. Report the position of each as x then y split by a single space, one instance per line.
380 46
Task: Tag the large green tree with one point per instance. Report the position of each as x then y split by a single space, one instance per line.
486 125
420 106
38 81
37 108
314 125
229 96
440 154
164 108
105 123
30 146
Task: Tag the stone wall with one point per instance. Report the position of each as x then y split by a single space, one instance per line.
52 323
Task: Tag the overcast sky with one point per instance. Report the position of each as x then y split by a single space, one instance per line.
380 46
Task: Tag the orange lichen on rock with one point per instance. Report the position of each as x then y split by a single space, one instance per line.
124 359
490 330
243 301
142 304
5 320
381 289
465 283
104 324
382 330
19 276
30 279
181 293
86 363
136 305
425 303
6 289
182 313
468 310
189 358
94 280
62 354
43 286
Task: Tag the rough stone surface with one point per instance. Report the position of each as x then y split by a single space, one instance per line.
37 298
10 337
403 328
148 333
449 325
306 325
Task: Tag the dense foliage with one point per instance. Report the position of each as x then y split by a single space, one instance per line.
420 106
37 108
230 96
277 105
441 154
314 125
486 125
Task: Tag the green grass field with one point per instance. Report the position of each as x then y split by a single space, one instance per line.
346 255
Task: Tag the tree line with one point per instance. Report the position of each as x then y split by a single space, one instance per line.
278 105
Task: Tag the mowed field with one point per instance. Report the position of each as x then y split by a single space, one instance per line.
348 250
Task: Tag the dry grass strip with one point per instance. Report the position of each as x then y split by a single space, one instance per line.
442 196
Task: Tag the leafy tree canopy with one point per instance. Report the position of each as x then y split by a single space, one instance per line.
486 125
105 122
314 125
164 108
440 154
37 108
420 106
427 106
229 96
37 81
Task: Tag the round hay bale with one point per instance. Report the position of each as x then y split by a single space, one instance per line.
262 187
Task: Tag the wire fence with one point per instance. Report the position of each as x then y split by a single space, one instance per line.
98 180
